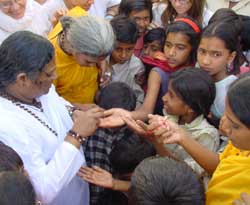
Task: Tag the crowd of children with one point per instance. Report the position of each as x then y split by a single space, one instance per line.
171 82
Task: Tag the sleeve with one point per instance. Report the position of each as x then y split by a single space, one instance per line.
113 3
48 172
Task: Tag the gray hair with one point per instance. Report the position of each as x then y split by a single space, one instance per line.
89 35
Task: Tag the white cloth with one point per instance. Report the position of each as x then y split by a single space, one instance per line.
51 6
126 73
207 14
201 131
157 10
34 20
222 86
243 7
51 162
99 7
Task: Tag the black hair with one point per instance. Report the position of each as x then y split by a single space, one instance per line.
125 29
9 159
16 189
195 87
24 52
127 6
164 181
117 95
128 152
227 33
238 97
155 34
227 15
245 37
186 29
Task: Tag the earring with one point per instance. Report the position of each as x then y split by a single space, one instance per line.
229 67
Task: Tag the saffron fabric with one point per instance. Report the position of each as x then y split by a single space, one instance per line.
231 178
77 84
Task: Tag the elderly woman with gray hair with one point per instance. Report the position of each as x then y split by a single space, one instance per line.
80 44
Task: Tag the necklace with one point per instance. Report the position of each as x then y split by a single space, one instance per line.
37 104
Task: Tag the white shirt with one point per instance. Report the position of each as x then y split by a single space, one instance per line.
51 6
202 132
222 86
126 73
99 7
243 7
34 20
51 162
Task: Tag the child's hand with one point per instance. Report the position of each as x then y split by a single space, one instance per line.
113 118
166 131
244 200
57 15
139 128
97 176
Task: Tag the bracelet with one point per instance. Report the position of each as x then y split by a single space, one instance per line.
77 136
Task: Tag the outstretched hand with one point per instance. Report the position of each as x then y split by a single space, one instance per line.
114 118
97 176
166 131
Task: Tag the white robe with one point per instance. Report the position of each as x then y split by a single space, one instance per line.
34 20
51 162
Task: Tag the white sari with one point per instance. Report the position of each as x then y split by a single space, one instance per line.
34 19
51 162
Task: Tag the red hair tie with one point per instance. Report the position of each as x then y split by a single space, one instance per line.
190 23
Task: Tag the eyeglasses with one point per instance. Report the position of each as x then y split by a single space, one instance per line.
183 2
9 4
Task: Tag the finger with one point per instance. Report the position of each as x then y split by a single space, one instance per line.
98 169
142 124
109 112
153 125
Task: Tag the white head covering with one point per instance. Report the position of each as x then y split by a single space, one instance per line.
33 20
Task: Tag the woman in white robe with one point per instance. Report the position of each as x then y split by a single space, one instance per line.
34 120
17 15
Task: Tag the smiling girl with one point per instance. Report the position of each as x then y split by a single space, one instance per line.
231 171
183 8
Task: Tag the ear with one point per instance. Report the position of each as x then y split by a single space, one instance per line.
232 57
22 79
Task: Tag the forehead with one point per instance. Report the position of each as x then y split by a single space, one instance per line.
124 45
50 66
153 43
178 38
212 43
140 14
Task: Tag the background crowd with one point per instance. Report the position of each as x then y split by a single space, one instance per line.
107 102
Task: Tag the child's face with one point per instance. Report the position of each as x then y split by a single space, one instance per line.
151 48
181 6
122 52
177 49
235 130
173 104
142 19
213 57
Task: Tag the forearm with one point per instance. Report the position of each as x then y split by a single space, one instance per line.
207 159
121 185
